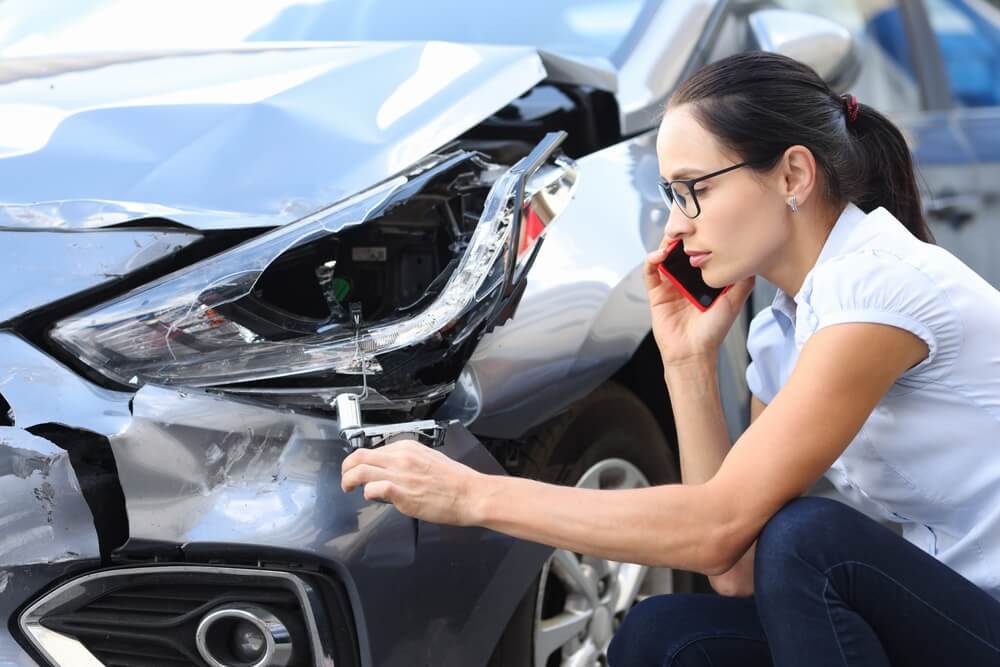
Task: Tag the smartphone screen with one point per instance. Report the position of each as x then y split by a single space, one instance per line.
677 267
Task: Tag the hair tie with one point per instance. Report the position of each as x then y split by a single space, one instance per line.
851 107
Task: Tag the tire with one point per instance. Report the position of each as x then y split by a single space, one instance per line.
610 439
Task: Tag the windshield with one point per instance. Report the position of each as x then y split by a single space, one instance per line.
581 27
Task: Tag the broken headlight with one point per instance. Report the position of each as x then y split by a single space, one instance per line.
428 255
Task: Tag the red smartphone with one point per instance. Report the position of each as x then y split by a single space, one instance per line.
676 267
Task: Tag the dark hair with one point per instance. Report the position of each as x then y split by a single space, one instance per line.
759 104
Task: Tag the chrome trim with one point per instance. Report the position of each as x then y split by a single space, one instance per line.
52 644
277 641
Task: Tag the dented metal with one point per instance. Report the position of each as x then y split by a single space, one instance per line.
201 472
45 518
267 134
46 528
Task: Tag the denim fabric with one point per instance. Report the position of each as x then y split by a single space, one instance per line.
831 587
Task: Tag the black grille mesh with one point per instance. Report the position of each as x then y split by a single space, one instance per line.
134 623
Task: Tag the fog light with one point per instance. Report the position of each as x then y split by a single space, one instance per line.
249 642
243 635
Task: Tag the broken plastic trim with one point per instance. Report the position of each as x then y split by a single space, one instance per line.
322 397
6 412
170 332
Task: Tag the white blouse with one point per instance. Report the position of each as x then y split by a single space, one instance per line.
928 457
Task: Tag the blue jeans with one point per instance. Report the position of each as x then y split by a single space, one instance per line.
831 587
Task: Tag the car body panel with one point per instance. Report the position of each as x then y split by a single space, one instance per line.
203 472
584 311
246 137
41 390
48 529
85 261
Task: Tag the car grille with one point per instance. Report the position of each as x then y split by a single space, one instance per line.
148 616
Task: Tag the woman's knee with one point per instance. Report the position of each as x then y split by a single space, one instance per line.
651 630
802 533
657 629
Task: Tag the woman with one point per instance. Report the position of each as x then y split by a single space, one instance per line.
877 365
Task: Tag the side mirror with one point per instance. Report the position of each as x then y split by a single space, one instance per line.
824 45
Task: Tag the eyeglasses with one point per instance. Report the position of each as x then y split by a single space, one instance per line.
683 191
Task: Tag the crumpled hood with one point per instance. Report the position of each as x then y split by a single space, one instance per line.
245 137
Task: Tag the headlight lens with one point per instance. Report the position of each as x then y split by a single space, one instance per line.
177 330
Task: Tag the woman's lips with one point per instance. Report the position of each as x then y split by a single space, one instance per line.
699 258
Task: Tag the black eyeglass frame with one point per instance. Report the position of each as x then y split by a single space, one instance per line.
666 188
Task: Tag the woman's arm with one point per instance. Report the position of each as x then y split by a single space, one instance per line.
703 443
842 373
702 439
738 580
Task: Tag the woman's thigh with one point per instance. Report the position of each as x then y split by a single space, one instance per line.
833 587
690 630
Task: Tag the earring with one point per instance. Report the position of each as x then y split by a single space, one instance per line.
793 203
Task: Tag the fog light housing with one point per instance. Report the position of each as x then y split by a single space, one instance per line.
249 643
243 635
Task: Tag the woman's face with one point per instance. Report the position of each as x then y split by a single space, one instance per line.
743 222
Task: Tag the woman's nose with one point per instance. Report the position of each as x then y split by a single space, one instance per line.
678 225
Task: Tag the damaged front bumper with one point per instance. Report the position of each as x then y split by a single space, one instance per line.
214 480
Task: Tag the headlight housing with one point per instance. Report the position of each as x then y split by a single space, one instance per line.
201 326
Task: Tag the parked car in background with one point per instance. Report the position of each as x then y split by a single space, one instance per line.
241 238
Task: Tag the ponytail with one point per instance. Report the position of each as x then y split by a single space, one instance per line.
888 172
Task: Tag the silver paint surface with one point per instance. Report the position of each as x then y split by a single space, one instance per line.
45 518
42 390
242 137
56 264
584 311
46 528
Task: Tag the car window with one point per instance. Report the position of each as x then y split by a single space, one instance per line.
888 79
968 37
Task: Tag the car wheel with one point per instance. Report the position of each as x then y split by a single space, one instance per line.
609 440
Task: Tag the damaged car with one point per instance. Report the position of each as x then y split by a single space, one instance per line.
238 246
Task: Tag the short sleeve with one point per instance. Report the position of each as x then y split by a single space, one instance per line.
877 287
770 350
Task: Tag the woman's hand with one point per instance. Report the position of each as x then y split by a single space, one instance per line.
682 332
420 481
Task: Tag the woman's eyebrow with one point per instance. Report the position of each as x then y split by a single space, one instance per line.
686 172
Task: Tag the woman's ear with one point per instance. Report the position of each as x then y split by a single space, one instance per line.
798 173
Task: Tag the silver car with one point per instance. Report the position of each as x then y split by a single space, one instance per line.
241 239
